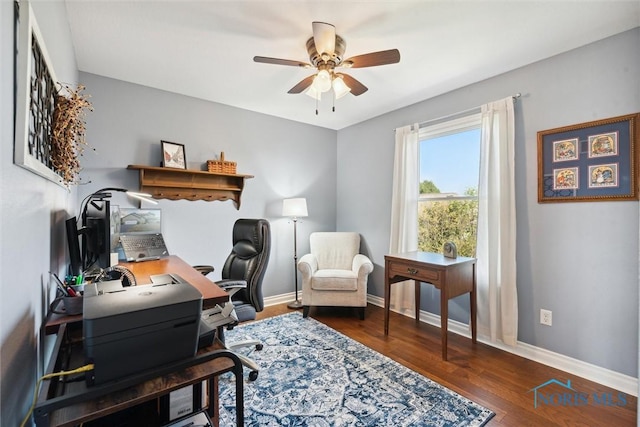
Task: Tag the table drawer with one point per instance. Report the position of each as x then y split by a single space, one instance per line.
412 271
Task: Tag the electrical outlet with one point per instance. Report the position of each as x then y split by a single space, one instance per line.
545 317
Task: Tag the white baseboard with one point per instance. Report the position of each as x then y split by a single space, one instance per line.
606 377
280 299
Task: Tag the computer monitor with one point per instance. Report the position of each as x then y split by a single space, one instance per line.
140 221
96 237
73 244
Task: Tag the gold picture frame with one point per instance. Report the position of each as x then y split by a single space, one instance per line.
590 162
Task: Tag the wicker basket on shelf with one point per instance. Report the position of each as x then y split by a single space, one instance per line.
221 166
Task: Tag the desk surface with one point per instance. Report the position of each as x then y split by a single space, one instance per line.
211 293
433 259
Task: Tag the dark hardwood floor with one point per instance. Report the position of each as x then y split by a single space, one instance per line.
493 378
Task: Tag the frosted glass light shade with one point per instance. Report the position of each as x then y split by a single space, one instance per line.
313 93
322 81
340 88
295 208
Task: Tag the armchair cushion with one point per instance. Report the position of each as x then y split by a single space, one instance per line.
334 280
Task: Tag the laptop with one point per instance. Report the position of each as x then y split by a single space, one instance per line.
140 234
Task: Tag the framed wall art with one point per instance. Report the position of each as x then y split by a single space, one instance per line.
590 162
35 97
173 155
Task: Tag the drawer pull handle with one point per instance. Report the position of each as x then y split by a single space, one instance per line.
412 271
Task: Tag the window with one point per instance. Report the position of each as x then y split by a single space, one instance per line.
449 171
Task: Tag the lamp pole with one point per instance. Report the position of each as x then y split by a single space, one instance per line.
297 303
294 209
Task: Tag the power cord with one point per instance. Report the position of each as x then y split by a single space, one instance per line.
84 368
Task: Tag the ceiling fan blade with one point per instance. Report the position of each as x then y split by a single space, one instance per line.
324 36
278 61
373 59
305 83
356 87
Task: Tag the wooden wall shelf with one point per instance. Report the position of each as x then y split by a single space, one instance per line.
184 184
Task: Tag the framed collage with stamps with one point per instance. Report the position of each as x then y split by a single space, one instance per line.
589 162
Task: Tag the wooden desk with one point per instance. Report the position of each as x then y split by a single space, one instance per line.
78 403
453 276
73 403
211 293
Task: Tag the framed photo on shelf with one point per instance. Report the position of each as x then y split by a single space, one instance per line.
590 162
173 155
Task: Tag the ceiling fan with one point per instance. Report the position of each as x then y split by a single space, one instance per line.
326 50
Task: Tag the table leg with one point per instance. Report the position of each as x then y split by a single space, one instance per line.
417 300
214 403
474 306
387 297
444 319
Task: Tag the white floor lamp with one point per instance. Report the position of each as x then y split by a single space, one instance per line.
295 208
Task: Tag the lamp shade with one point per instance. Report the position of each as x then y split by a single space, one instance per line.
313 93
322 81
295 207
340 88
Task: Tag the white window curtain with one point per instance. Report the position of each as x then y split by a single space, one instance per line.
496 249
404 209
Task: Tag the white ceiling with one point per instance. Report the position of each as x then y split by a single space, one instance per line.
205 49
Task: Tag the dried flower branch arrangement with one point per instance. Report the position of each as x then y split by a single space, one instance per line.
68 132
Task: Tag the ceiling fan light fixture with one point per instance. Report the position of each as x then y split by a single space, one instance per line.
326 53
340 88
322 81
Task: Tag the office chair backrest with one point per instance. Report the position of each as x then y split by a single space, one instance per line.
249 258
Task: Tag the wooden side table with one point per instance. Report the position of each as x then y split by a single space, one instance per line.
452 276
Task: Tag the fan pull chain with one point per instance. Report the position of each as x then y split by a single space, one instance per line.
333 98
316 106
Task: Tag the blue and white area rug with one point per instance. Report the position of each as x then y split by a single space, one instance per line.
312 375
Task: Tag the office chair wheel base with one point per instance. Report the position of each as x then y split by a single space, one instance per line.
253 375
259 347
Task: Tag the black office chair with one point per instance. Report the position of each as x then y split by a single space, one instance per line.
242 276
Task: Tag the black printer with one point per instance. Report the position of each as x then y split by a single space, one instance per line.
139 328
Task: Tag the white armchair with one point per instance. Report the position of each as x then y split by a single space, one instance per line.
335 273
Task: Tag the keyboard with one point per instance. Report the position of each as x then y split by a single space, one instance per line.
141 247
147 241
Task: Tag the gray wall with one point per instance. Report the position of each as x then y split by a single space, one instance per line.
288 159
32 214
579 260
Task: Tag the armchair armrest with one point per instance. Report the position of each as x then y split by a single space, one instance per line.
308 265
362 265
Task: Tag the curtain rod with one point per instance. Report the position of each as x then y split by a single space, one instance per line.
448 116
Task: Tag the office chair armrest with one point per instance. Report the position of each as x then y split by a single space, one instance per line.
231 286
204 269
228 284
